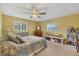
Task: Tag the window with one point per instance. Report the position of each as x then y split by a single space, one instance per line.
20 26
52 27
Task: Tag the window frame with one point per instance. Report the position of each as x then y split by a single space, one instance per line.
20 26
52 27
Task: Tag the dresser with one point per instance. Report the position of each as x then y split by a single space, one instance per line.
38 31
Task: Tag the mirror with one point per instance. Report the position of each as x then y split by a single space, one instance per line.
38 28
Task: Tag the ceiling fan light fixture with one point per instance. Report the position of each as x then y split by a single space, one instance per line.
34 15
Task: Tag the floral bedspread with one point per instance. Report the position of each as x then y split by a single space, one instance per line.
9 48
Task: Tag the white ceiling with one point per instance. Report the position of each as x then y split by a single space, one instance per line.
53 10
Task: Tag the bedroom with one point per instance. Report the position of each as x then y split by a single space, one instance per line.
19 18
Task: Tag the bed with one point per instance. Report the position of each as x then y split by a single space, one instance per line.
32 46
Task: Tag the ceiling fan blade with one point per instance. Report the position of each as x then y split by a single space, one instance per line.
26 9
40 9
42 13
39 17
26 12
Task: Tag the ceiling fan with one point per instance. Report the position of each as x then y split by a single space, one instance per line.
35 12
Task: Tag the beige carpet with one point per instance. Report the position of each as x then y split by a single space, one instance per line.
57 49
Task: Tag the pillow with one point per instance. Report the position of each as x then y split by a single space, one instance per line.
23 34
12 37
20 39
4 37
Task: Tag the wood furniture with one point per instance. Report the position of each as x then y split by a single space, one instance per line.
38 31
65 41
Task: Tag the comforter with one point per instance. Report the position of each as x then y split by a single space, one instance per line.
32 44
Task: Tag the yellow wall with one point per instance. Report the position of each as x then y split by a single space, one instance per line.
0 24
63 22
8 23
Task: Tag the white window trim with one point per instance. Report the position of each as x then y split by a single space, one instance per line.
16 22
52 29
